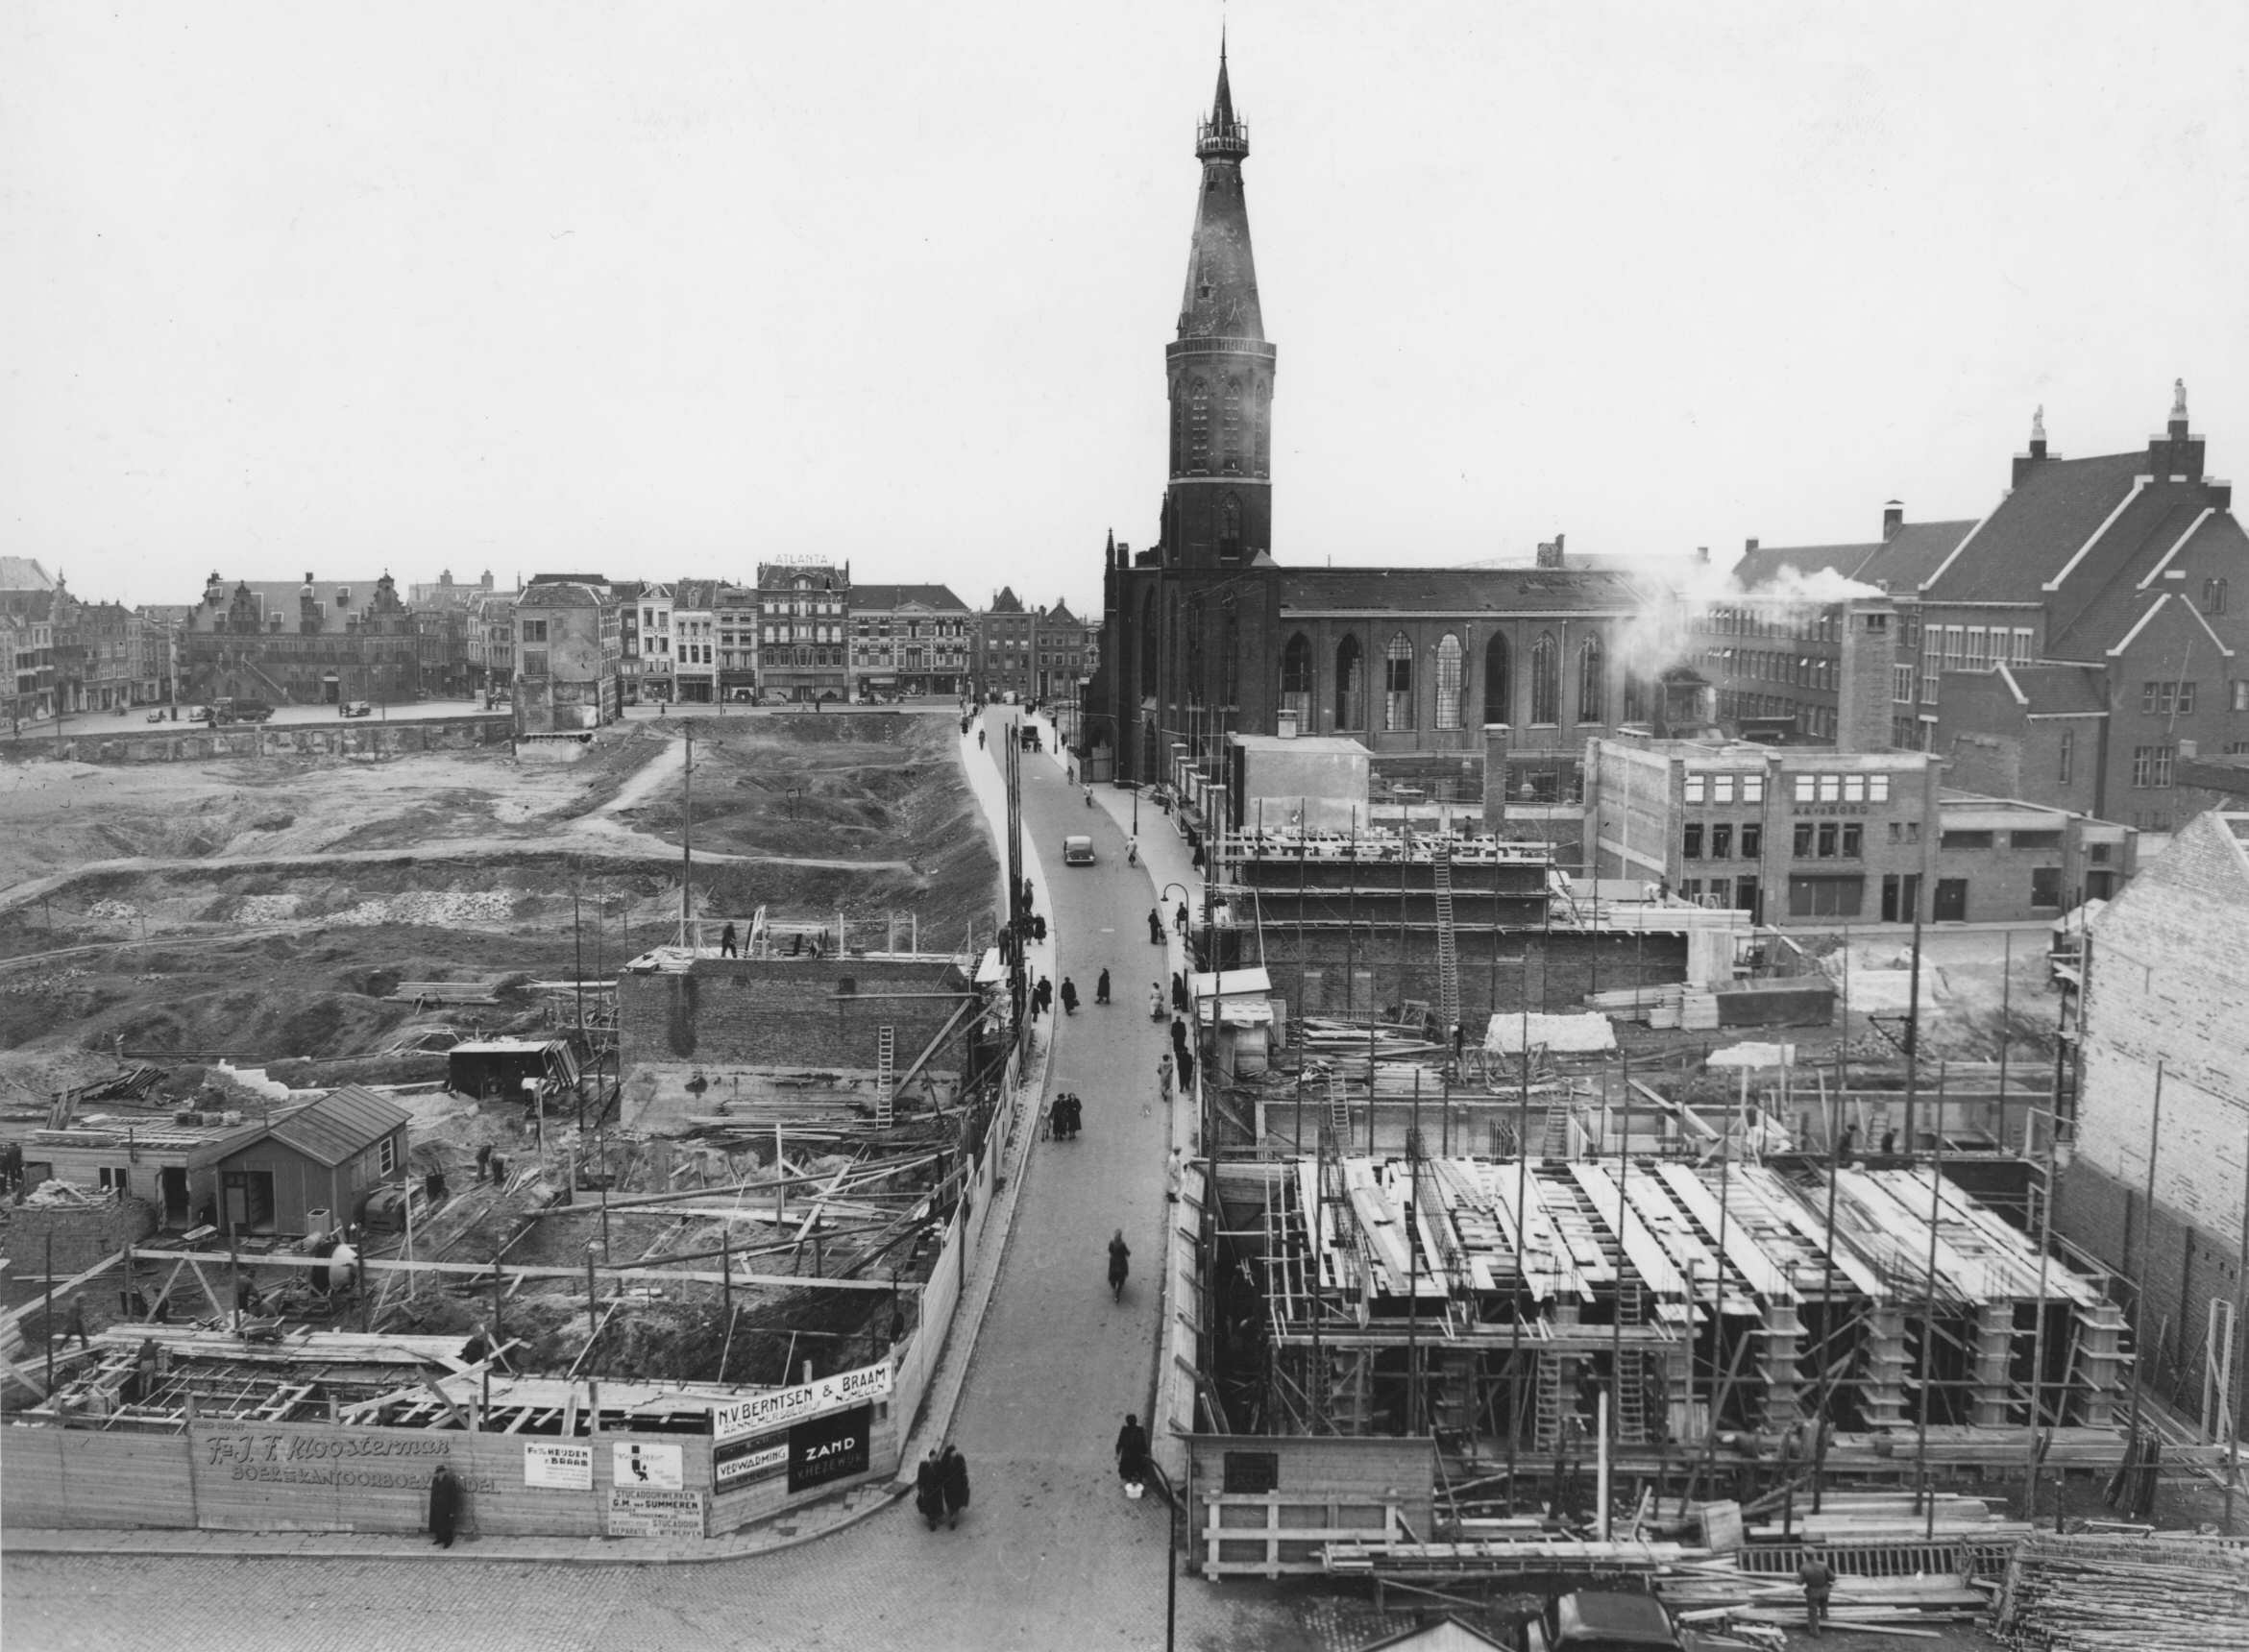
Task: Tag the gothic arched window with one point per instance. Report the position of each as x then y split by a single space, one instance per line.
1591 699
1296 678
1148 642
1398 684
1230 525
1449 681
1262 434
1198 426
1230 442
1350 685
1498 681
1179 426
1546 680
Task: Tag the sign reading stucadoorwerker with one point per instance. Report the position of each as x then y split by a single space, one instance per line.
763 1412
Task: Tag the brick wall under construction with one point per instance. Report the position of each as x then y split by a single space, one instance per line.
786 1012
1337 971
83 1234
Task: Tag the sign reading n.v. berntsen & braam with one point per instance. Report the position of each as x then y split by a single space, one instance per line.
763 1413
760 1437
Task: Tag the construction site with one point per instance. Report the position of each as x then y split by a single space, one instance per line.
491 1178
1537 1261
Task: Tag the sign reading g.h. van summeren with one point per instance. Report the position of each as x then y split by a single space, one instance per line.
760 1413
829 1448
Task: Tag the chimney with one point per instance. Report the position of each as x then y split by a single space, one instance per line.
1892 520
1748 547
2176 453
1550 553
1701 553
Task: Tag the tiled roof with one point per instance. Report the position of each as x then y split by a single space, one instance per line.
1766 562
2087 628
694 594
1459 591
2040 526
1904 562
875 598
1006 602
2047 688
1059 615
559 594
24 574
340 1124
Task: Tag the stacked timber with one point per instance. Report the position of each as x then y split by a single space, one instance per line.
2110 1593
1894 1516
1699 1012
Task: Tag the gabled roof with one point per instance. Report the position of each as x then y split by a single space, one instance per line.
2089 628
1900 563
1059 615
875 598
694 594
559 594
340 1124
2041 529
1459 591
1006 602
24 574
2047 688
1765 563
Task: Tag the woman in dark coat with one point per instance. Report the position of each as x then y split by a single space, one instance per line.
444 1506
1101 988
954 1474
929 1489
1179 994
1132 1452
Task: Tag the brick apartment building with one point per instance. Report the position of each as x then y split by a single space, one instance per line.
803 629
569 654
2073 645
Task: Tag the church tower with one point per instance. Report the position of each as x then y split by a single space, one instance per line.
1218 508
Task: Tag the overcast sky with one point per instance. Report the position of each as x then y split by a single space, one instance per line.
663 289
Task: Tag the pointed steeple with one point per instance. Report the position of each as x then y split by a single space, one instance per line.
1222 106
1221 298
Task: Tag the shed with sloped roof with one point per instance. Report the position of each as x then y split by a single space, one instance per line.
322 1158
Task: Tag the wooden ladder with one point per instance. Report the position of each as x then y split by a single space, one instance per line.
1448 953
886 1077
1339 1107
1548 1383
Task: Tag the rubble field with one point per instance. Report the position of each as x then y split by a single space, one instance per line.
268 919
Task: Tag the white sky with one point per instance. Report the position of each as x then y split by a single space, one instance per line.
661 289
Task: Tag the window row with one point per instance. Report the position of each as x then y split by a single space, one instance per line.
1842 788
1398 706
1699 787
1721 839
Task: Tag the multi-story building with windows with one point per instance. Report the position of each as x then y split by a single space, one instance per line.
1060 649
1006 648
909 640
737 611
27 651
569 653
303 643
646 627
804 618
695 642
491 643
2079 641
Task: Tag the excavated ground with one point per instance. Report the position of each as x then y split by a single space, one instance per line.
500 871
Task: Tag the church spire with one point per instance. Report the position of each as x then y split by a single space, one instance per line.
1222 106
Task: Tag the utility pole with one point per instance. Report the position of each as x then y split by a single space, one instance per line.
1913 1027
687 838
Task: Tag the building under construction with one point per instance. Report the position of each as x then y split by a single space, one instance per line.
1492 1302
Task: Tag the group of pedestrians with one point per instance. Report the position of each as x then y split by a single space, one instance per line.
1066 1117
940 1485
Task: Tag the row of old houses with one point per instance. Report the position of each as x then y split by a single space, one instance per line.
63 654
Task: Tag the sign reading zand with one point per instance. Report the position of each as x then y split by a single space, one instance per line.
762 1412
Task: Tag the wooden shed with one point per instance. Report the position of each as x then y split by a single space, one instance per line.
325 1156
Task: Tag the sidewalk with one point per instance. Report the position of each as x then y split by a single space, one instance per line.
803 1525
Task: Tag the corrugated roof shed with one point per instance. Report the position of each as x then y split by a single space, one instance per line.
340 1124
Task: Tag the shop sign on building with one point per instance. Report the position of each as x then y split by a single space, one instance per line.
558 1465
762 1413
646 1462
829 1448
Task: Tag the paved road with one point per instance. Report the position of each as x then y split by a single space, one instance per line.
1051 1553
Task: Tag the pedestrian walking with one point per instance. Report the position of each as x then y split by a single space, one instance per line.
1070 996
1164 1072
1131 851
1155 1001
1179 993
1459 1043
1046 994
979 739
1819 1581
1175 1175
444 1506
929 1482
1101 988
1088 796
1075 1114
1180 917
954 1477
1132 1453
1155 926
1187 1071
727 947
1039 929
1121 1263
1179 1038
77 1325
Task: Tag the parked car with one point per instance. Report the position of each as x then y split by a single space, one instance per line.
157 715
358 709
1077 851
1602 1622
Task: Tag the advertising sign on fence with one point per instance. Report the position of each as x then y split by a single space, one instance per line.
744 1461
646 1464
655 1514
558 1465
829 1448
762 1413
